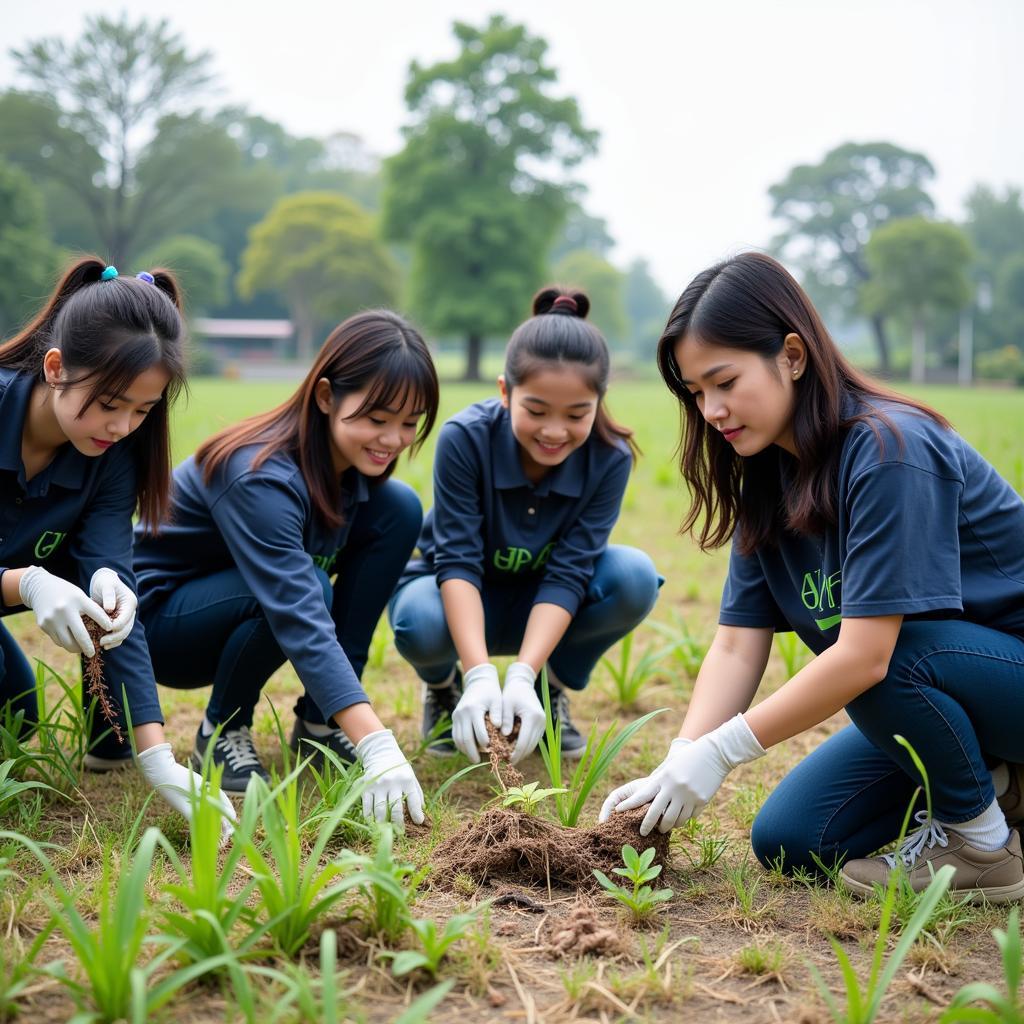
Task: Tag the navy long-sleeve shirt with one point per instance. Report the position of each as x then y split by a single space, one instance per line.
490 525
262 522
72 518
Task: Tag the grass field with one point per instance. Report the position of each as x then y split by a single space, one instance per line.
734 943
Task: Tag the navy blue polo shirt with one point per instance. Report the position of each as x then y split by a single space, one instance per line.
490 525
927 529
262 522
72 518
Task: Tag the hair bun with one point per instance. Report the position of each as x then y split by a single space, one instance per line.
569 302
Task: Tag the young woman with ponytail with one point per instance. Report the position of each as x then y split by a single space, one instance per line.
84 396
287 537
514 557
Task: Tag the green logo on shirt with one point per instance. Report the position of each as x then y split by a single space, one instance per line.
326 562
517 559
48 542
821 593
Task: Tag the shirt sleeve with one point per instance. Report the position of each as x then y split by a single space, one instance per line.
747 599
902 542
262 521
458 511
103 538
571 565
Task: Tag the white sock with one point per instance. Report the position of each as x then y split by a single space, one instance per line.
1001 778
319 729
988 831
207 727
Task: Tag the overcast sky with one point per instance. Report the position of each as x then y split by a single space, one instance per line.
701 106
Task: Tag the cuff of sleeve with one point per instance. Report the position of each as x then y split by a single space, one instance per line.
460 572
557 593
340 704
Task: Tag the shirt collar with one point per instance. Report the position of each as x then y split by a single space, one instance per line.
566 478
68 466
354 485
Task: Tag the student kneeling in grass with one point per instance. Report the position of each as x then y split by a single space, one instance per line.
264 514
84 391
515 556
862 521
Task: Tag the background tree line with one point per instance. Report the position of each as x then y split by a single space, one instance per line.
112 143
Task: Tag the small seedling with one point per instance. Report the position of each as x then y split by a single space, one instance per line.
528 796
642 900
629 680
433 944
687 649
597 759
793 651
701 850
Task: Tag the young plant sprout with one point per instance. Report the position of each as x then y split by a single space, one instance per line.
642 900
528 796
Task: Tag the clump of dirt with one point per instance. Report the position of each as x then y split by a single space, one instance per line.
582 932
94 684
511 845
499 752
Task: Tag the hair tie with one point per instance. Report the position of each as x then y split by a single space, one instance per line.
565 302
145 275
109 273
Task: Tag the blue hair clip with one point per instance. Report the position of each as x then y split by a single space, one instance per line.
145 275
109 274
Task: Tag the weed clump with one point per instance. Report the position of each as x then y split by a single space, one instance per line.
509 845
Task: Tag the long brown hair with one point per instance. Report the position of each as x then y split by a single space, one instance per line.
108 332
558 332
752 302
376 350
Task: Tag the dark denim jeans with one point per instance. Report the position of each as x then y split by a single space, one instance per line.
17 678
955 691
622 592
213 630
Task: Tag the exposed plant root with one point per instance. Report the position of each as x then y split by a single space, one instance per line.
509 845
94 684
500 751
582 932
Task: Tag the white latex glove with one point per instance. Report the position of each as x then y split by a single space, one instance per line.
174 782
481 696
108 590
390 779
519 700
688 778
59 607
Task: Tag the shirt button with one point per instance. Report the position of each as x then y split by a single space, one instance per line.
531 511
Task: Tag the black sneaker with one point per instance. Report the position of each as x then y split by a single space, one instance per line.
336 741
573 744
235 751
439 704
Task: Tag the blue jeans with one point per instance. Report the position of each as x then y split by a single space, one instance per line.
955 691
17 679
213 629
621 593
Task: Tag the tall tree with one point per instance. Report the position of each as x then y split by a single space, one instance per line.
320 252
918 269
995 226
582 231
647 308
113 119
830 210
469 190
28 261
605 286
199 266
